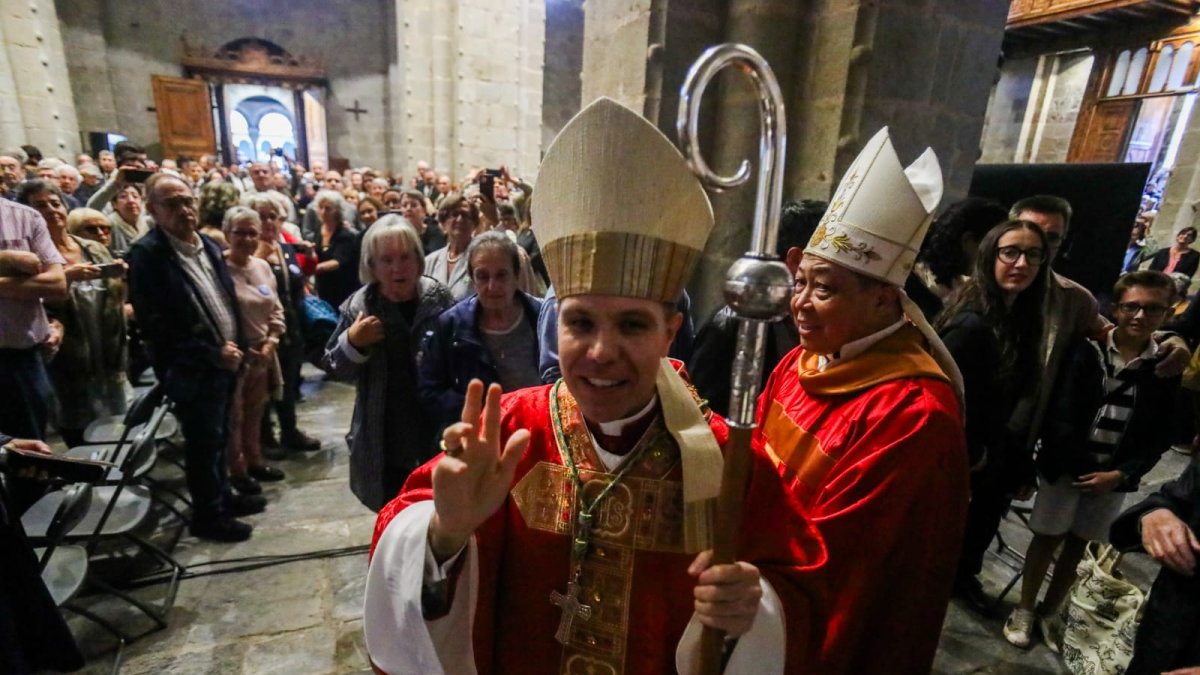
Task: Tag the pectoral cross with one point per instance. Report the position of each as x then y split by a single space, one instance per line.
571 608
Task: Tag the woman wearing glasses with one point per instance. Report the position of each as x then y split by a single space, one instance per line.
459 218
993 330
88 366
490 336
262 321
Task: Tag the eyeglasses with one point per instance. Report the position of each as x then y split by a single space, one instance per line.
97 229
1011 254
247 234
179 202
1132 308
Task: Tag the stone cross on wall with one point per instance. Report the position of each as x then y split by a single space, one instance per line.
356 110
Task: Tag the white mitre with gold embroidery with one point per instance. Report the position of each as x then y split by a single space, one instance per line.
617 210
880 213
876 222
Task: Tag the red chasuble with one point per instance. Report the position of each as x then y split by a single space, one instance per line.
874 448
635 575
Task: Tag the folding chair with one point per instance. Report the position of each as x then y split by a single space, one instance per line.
65 567
131 426
116 510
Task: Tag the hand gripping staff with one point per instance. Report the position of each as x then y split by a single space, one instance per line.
757 287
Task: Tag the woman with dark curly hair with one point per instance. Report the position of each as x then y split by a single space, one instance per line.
215 200
948 256
993 330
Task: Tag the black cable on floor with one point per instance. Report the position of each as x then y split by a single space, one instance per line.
246 564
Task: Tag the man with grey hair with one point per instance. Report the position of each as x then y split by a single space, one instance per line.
187 309
262 181
12 171
68 178
90 180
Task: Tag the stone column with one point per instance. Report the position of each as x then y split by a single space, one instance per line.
1181 200
470 84
37 106
922 67
86 51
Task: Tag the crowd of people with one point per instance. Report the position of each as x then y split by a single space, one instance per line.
432 295
217 278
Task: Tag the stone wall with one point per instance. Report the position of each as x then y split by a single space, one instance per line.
457 83
615 43
470 83
561 88
114 46
1061 101
35 92
1006 110
1180 205
1034 106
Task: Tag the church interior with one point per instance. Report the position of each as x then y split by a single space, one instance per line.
999 89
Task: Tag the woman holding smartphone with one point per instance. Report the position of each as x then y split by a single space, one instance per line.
88 367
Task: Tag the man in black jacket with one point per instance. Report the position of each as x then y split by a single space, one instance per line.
1165 525
185 303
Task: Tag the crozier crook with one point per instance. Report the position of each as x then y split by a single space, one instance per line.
758 286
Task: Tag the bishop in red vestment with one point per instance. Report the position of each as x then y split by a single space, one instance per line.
635 580
863 422
567 533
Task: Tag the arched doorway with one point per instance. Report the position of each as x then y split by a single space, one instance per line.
267 103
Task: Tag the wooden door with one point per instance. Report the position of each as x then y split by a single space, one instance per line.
185 119
1103 138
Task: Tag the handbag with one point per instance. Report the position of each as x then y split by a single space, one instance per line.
1100 616
320 320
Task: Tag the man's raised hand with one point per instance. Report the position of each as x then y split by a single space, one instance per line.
473 478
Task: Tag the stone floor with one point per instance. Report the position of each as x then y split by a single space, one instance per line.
303 612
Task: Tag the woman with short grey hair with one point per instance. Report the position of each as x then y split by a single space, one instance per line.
337 250
376 345
261 316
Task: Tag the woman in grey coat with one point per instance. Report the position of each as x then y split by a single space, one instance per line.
376 345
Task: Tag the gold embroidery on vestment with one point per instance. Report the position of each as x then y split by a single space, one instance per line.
644 512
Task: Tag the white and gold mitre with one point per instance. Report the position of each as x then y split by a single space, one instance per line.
880 213
617 210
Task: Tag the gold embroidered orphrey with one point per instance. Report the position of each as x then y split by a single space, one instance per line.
643 512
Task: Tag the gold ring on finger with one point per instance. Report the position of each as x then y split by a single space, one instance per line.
450 452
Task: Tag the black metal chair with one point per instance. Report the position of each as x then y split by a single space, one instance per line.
116 510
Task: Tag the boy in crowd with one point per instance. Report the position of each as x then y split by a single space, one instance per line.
1108 423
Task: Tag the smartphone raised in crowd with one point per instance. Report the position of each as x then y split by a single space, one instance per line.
487 183
110 270
136 175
